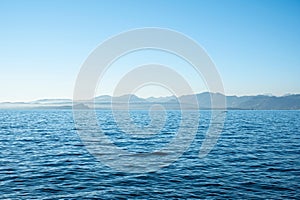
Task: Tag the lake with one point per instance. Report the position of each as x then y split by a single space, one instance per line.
256 156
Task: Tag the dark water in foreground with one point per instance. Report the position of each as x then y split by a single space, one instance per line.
257 156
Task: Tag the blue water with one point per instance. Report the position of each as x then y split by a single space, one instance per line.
257 156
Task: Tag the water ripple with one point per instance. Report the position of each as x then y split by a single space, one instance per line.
257 156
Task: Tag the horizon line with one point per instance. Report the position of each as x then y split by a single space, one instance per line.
229 95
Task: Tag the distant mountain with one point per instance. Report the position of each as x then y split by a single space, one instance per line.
162 99
51 101
258 102
103 99
263 102
128 98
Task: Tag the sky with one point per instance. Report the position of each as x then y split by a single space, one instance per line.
255 45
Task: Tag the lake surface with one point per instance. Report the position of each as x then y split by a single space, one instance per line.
257 156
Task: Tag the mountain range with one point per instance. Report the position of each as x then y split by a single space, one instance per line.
257 102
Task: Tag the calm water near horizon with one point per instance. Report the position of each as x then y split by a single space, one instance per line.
257 156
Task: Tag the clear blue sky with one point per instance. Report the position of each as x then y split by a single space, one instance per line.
254 44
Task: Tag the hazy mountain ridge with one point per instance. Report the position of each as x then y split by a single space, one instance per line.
258 102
